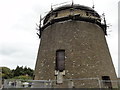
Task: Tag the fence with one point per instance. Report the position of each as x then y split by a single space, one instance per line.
68 83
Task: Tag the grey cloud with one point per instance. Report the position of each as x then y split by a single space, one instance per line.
7 50
13 54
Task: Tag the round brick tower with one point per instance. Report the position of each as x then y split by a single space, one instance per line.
73 52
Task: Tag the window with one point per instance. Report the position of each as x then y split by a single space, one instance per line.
106 81
60 60
87 13
56 14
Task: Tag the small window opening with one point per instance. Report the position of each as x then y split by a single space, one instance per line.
106 81
60 60
87 13
56 14
71 9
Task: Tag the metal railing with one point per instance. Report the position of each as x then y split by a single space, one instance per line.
67 83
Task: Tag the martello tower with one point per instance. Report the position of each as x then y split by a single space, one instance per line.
73 47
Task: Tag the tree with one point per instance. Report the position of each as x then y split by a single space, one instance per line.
29 71
18 73
6 73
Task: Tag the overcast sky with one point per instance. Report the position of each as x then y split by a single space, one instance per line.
18 40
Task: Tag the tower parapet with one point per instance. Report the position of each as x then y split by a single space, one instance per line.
73 12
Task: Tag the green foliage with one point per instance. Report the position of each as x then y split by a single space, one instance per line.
23 71
18 73
23 77
0 72
6 73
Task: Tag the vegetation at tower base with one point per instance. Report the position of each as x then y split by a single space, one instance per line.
18 73
6 73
